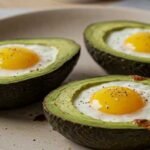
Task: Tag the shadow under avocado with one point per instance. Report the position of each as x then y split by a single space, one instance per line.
31 113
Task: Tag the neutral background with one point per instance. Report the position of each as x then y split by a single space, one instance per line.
42 4
12 7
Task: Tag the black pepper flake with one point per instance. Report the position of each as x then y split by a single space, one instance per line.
107 107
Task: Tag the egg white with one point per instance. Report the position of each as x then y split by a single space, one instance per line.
46 54
116 41
82 102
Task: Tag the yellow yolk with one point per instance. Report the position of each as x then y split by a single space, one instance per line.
17 58
140 42
118 100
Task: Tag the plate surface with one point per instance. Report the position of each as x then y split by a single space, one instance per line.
18 131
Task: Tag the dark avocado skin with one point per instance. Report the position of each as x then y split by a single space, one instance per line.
34 89
103 138
113 64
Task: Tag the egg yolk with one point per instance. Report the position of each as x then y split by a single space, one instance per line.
140 42
13 58
118 100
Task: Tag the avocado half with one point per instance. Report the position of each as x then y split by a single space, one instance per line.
87 131
21 90
114 62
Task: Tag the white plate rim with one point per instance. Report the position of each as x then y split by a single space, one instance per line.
77 8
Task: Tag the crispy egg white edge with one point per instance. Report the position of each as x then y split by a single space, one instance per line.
116 40
47 57
81 102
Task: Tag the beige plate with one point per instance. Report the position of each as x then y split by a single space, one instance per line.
18 131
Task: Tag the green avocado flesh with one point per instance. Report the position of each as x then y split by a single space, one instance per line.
87 131
23 89
95 37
